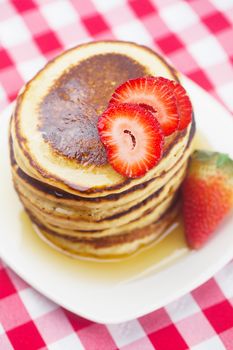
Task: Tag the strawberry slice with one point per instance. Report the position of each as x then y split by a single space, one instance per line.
184 105
132 137
207 194
154 94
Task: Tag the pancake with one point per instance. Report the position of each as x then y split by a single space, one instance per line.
59 211
77 221
76 88
52 195
77 201
109 249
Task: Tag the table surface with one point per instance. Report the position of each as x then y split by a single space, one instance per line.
197 37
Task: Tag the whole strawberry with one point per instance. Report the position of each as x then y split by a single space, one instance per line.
207 193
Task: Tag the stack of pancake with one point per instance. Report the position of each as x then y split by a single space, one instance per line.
77 201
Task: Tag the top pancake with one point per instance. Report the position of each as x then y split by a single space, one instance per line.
54 128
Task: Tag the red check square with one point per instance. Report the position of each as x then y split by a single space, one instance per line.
220 316
216 22
26 337
142 8
48 42
77 322
5 60
200 78
168 338
169 43
23 6
7 287
95 24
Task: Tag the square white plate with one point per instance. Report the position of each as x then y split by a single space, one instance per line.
94 295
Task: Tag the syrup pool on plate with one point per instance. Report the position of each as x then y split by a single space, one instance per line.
169 247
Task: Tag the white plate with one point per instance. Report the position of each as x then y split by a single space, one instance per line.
91 290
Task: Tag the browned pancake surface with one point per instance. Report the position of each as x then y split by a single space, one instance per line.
70 111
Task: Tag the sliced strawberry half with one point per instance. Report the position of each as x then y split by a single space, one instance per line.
132 137
154 94
184 105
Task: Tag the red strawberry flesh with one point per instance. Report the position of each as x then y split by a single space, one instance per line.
132 137
184 105
154 94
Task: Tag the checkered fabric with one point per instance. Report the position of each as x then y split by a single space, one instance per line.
197 37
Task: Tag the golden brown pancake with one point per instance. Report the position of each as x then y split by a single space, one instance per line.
60 144
59 165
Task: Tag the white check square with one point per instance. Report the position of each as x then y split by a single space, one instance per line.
207 52
225 92
210 344
1 329
13 32
133 31
71 342
29 68
35 303
104 6
59 13
126 333
179 16
182 308
2 93
223 5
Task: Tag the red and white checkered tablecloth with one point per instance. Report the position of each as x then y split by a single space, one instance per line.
197 37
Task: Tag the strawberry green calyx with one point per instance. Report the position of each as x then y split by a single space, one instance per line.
218 158
224 161
212 162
